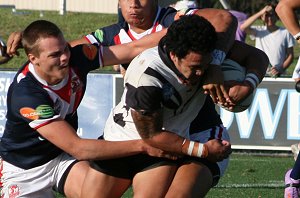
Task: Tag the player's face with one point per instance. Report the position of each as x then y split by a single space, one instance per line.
192 66
52 64
139 13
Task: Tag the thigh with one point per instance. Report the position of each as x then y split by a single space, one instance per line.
98 185
153 182
75 178
191 180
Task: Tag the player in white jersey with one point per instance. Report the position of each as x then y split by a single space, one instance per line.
163 94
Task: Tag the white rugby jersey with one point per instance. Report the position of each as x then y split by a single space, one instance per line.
151 83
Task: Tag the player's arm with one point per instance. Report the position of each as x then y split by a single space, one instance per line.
256 68
15 39
246 26
79 41
124 53
286 12
289 58
225 25
149 126
87 149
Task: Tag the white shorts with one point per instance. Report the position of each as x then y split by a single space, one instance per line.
219 132
37 182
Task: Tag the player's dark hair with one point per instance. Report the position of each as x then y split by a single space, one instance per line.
37 30
190 33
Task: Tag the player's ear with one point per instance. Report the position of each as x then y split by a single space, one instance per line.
33 59
173 57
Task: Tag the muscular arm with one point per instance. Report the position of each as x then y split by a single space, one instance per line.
150 129
286 12
225 25
78 42
61 134
243 54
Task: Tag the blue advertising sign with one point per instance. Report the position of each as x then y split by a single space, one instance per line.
272 122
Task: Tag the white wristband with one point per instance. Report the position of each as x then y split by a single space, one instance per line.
297 36
191 147
218 57
252 79
200 150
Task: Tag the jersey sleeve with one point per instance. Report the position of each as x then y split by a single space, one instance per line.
105 35
87 56
145 98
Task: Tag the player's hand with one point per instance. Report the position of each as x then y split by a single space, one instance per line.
14 43
155 152
274 72
238 90
213 85
218 150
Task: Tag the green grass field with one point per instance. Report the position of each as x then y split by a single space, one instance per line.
248 176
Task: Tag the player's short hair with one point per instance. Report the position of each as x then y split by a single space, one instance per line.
35 31
191 33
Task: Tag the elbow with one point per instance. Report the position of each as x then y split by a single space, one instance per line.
280 7
227 19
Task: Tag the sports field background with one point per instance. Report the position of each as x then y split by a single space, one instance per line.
250 174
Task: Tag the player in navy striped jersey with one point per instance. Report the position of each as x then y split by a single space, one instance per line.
40 148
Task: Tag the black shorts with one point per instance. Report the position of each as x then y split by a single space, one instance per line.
128 167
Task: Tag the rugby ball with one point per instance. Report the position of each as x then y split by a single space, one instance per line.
234 71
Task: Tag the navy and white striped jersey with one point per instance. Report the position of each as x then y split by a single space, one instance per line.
32 103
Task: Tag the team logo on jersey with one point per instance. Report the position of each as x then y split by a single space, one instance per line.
13 191
99 35
90 51
42 111
75 84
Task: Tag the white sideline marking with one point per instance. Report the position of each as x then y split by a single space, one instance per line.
278 184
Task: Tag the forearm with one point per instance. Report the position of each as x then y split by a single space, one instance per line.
78 42
288 61
124 53
286 12
244 54
246 26
88 149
